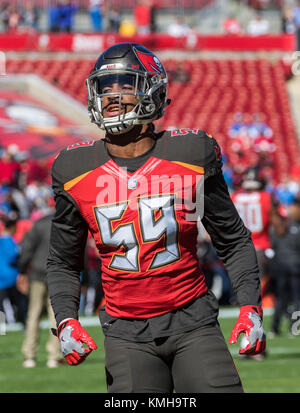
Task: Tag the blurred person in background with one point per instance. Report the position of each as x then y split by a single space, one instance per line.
53 17
15 18
258 26
32 267
4 15
66 12
261 136
240 143
37 190
11 198
8 206
9 293
30 17
113 16
294 182
96 14
178 28
142 17
296 19
37 195
215 273
294 212
284 190
37 171
238 125
232 26
9 169
255 205
154 7
259 127
94 292
285 268
287 21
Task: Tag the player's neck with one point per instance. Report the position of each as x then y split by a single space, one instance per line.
131 144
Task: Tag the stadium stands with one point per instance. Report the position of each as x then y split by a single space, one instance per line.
129 4
216 91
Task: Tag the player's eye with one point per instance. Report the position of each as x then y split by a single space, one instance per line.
115 82
128 87
106 90
118 88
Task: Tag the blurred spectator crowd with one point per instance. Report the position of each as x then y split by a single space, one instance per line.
25 191
23 18
26 197
259 25
25 201
110 17
251 145
104 16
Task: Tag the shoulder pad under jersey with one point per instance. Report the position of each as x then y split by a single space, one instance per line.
192 146
78 159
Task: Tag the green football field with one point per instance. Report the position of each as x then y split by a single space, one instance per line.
279 372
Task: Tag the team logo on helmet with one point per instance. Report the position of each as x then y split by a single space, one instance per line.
150 62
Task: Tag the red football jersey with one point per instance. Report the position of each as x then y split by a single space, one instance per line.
141 223
254 209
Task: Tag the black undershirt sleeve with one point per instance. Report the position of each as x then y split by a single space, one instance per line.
231 240
66 259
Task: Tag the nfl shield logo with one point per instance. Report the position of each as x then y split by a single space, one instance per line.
132 183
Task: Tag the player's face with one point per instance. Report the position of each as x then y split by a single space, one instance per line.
117 94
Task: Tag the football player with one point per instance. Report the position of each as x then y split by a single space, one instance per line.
255 206
140 193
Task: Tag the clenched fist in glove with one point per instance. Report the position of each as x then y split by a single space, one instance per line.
250 323
72 337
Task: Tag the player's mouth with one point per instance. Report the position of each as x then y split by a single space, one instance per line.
114 110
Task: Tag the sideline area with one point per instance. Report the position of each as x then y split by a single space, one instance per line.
93 321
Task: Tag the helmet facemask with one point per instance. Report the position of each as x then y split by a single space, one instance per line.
149 91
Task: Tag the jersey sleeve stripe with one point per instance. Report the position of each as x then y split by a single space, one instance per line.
195 168
68 185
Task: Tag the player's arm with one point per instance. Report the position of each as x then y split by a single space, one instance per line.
65 259
234 246
65 262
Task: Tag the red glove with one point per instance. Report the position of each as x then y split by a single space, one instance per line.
250 323
72 336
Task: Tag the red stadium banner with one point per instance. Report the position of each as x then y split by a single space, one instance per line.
89 43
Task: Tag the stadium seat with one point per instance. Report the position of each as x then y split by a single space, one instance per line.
216 91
